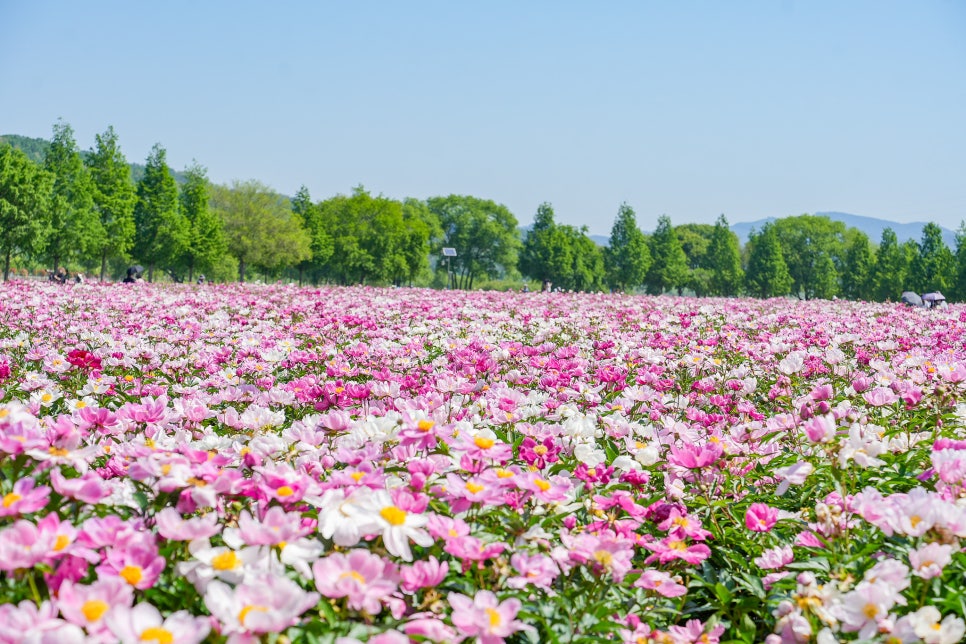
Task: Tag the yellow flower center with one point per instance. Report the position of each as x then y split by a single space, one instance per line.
285 490
425 425
94 609
540 450
494 616
543 485
227 560
131 574
10 499
483 443
473 488
57 451
357 476
393 515
157 634
62 542
504 474
870 610
247 609
603 557
352 574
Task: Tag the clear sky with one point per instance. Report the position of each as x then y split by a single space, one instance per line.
690 109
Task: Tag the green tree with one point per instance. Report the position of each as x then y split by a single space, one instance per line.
767 274
958 289
24 192
669 269
260 227
933 269
586 270
695 240
422 231
205 237
889 268
320 239
813 248
115 197
627 257
547 253
858 266
724 260
161 231
483 233
72 223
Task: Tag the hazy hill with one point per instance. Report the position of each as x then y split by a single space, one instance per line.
36 149
871 226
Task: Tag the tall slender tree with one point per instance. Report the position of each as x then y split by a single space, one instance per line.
205 236
24 192
724 260
934 267
858 265
889 268
627 257
114 199
669 269
161 232
72 223
767 274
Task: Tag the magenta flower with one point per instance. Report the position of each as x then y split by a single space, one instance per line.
485 617
693 457
760 517
423 574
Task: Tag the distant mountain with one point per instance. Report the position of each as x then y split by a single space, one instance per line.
871 226
36 150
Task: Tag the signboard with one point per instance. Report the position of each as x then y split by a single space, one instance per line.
449 252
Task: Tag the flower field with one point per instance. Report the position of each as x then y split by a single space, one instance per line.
273 464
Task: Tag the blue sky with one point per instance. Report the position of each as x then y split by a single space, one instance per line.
690 109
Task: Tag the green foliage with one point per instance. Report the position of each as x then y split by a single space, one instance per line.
72 223
888 269
627 257
933 269
483 233
857 268
669 269
260 228
115 197
814 249
695 240
24 192
724 260
767 274
562 255
958 289
161 230
206 239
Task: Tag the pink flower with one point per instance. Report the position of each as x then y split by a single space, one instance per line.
777 557
23 545
89 488
144 623
537 570
276 526
24 499
760 517
671 548
138 564
880 396
423 574
87 605
485 616
364 577
266 604
929 560
661 582
695 457
171 525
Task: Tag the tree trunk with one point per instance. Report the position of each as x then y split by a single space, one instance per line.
151 272
241 271
301 269
6 266
103 264
191 269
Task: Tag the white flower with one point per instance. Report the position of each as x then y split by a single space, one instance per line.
398 526
925 622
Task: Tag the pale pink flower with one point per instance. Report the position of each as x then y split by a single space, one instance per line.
929 560
660 582
138 564
485 617
423 574
926 624
864 607
365 578
144 623
777 557
266 604
24 499
171 525
89 488
87 605
533 570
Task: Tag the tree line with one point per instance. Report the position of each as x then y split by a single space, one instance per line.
86 210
